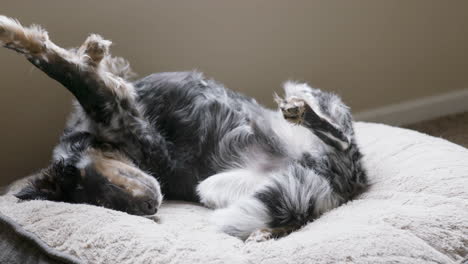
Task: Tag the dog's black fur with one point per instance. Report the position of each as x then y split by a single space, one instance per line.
189 138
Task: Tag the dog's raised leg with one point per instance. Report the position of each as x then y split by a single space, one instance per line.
89 73
325 115
80 71
297 110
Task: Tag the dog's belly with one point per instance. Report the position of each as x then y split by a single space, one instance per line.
212 129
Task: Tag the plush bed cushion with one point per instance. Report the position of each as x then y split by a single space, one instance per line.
415 212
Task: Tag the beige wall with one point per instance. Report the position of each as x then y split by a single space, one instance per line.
372 53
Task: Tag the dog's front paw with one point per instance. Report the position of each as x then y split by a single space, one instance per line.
96 48
7 29
13 35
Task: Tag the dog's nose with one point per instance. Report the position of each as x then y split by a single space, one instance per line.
150 207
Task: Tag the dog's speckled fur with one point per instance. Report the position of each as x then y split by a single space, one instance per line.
187 137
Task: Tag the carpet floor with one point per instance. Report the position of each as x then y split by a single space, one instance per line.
453 128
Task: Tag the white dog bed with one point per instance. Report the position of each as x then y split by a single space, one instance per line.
415 212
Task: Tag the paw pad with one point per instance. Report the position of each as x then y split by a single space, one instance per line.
96 47
293 109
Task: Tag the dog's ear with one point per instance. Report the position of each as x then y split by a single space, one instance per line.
54 183
30 192
41 188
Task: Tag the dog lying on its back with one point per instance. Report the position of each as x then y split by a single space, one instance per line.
186 137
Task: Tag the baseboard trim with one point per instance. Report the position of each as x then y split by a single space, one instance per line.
417 110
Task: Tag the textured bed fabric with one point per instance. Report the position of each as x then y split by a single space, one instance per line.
18 246
416 211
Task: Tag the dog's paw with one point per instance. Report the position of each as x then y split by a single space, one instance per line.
13 35
7 28
260 235
96 47
293 109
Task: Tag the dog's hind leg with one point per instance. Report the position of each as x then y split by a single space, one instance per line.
286 201
95 79
325 115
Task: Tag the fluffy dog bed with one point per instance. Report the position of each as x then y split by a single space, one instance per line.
415 212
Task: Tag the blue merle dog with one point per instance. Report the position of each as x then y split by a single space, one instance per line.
126 144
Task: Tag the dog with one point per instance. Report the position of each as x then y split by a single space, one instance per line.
180 135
